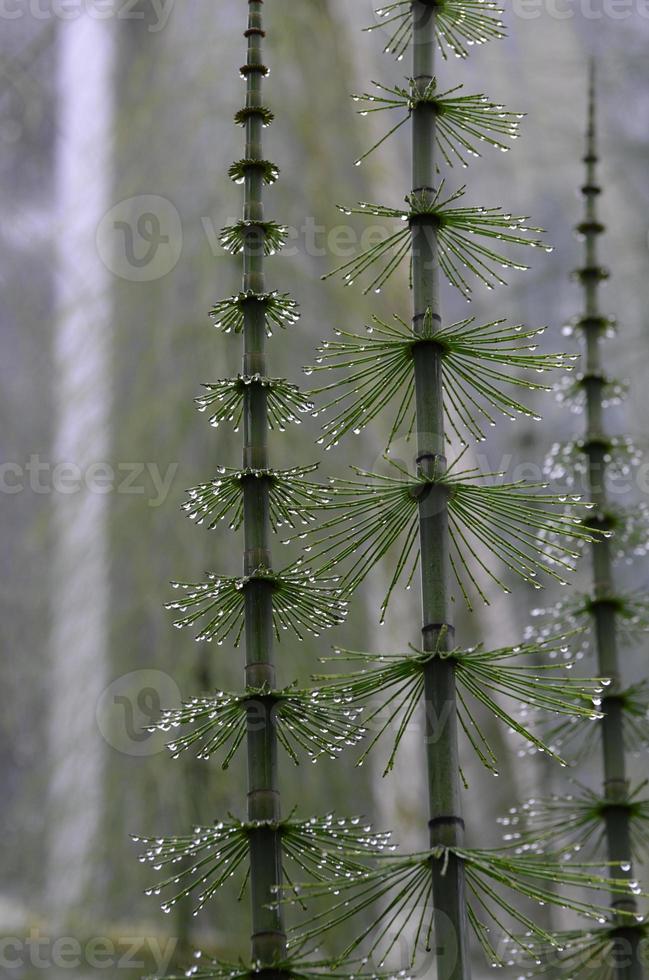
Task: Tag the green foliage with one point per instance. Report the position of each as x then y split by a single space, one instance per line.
292 499
597 954
262 112
265 852
481 367
445 520
578 739
576 613
200 863
509 521
567 462
572 392
613 820
317 722
495 880
301 603
459 24
241 168
291 968
267 236
392 686
576 823
441 519
463 122
456 231
279 308
285 401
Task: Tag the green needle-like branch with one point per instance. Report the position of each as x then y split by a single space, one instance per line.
390 686
316 722
567 462
597 954
577 613
458 25
200 863
575 822
575 737
256 111
293 501
262 237
279 309
457 231
302 603
206 968
573 391
508 521
463 122
616 819
496 879
268 171
226 397
481 375
627 527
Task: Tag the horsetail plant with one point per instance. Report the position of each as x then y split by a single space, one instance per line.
265 851
440 380
450 527
613 820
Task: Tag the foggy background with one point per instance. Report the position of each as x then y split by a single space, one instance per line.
105 342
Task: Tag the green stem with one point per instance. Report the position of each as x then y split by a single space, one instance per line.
446 824
617 821
268 935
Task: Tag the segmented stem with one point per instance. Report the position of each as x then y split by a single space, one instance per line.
446 825
603 610
268 935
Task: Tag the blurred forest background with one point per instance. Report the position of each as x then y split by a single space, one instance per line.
103 355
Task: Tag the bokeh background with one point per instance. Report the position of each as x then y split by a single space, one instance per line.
116 133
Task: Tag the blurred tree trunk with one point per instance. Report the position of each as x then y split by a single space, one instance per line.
82 371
